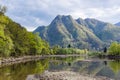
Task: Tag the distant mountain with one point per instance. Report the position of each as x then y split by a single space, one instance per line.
105 31
118 24
64 30
81 33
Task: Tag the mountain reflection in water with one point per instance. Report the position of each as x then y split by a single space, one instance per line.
25 70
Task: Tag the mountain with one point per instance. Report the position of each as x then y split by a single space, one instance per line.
64 30
104 31
117 24
81 33
17 41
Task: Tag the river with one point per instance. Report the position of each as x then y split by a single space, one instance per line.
99 67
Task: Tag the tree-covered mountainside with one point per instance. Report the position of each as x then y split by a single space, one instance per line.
81 33
17 41
64 30
105 31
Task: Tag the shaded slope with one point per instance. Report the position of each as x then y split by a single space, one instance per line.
105 31
64 30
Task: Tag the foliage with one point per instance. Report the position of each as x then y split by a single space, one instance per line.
114 48
71 51
55 49
95 54
16 41
6 44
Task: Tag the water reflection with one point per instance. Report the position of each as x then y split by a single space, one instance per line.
25 70
20 71
115 66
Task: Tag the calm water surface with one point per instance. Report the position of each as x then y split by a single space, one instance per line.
22 71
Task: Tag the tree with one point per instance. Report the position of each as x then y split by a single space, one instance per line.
114 48
105 50
3 9
55 49
69 46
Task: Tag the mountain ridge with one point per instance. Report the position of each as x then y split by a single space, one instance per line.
80 33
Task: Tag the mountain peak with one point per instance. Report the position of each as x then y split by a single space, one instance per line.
95 21
81 33
92 19
117 24
63 16
81 21
79 18
59 19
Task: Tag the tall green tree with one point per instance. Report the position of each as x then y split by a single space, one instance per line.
114 48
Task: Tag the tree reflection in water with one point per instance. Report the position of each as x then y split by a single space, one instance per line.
20 71
23 70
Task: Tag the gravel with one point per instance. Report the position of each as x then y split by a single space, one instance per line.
63 75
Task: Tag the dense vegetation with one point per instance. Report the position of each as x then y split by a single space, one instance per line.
114 48
68 50
104 31
16 41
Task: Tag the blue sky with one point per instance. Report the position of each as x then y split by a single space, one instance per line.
33 13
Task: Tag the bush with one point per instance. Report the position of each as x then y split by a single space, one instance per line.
114 48
71 51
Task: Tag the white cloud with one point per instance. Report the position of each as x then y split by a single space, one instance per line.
32 13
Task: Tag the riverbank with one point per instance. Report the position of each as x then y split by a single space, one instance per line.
64 75
112 57
14 60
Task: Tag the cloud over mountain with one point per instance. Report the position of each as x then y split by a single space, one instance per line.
41 12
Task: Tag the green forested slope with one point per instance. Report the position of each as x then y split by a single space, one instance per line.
16 41
105 31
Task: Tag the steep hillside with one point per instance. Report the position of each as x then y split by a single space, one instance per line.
16 41
64 30
105 31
